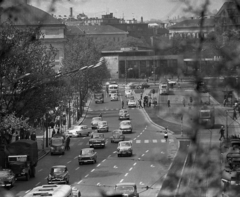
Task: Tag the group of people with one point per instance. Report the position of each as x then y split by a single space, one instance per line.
146 102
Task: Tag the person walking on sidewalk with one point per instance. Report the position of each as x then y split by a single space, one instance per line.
140 103
234 114
122 104
166 134
222 133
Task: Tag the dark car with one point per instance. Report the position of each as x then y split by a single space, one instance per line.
117 136
87 155
58 174
143 85
97 140
123 114
7 178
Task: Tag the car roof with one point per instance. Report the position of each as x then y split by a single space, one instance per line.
124 142
126 184
96 117
102 121
59 166
88 149
125 121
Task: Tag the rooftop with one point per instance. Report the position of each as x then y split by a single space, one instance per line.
100 29
192 23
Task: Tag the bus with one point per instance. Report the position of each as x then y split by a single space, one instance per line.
112 88
163 88
99 97
54 191
207 116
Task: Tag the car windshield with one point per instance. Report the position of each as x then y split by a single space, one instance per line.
124 188
76 127
125 144
102 123
117 132
97 118
86 151
57 141
58 170
4 173
98 135
205 113
126 123
84 127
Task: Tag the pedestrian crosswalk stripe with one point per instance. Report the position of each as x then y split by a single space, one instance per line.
146 141
154 141
163 140
138 141
171 140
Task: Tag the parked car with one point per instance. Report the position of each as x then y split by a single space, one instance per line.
87 155
79 130
143 85
102 126
126 126
7 178
95 121
117 136
58 174
97 140
123 114
132 103
124 148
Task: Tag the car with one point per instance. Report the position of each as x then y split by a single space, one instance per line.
123 114
58 174
143 85
113 97
128 92
126 189
76 192
97 140
102 126
126 126
95 121
124 148
171 82
87 155
78 131
113 82
117 136
7 178
132 103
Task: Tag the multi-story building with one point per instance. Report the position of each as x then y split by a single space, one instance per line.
29 16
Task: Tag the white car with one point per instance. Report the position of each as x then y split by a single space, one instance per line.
128 92
132 103
114 97
84 130
126 126
124 148
102 126
73 132
95 121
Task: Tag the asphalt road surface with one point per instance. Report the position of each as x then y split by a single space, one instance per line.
147 167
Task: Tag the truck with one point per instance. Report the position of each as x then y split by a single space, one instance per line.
57 144
22 158
99 97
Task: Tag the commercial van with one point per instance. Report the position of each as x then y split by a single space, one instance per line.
53 191
112 88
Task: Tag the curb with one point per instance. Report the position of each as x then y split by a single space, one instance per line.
46 153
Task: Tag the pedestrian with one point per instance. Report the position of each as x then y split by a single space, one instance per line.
58 131
27 136
68 143
222 133
54 132
140 103
234 115
100 115
33 136
166 135
141 95
150 102
17 136
122 104
184 102
224 102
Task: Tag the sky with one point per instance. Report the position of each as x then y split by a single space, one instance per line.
129 9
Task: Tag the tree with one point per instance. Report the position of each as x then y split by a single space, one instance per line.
81 52
28 87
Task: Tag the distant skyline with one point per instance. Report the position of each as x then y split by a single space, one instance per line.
127 9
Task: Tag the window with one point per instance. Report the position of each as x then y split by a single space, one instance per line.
51 31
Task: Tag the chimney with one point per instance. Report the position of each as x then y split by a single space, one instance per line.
141 19
71 12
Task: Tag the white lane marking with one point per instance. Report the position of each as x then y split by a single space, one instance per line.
87 175
146 141
98 184
146 127
147 151
109 155
69 161
106 142
92 170
163 141
162 152
121 180
154 141
80 143
126 174
142 155
171 140
114 152
98 165
134 163
138 141
152 166
130 169
115 166
79 181
40 170
83 137
46 177
60 156
77 168
76 157
27 191
141 183
134 138
37 183
138 135
103 160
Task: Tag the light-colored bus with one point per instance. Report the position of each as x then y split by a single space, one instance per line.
207 116
163 88
53 191
112 88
